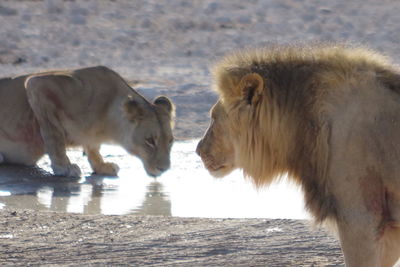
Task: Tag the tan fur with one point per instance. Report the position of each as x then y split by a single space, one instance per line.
329 116
47 112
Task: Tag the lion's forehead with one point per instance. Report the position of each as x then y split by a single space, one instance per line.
159 128
219 115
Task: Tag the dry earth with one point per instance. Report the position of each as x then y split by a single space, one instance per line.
30 238
168 47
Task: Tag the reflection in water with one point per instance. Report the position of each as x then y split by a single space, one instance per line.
185 190
155 202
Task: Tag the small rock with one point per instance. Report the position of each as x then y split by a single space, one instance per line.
19 60
325 11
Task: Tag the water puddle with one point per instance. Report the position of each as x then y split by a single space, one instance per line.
186 190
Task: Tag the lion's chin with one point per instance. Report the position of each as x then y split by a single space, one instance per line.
154 172
221 171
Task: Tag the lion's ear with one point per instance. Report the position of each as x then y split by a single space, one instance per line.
134 109
165 103
251 86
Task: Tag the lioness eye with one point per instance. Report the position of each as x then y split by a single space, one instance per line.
150 142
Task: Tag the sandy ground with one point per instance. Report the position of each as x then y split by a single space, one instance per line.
167 47
29 238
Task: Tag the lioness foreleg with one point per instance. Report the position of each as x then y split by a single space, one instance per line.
97 163
55 147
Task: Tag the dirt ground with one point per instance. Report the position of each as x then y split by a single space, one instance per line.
46 238
168 47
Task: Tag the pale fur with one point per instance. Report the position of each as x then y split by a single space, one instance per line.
327 115
47 112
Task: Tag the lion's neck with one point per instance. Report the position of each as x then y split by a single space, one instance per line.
115 123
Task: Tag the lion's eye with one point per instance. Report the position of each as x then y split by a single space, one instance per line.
150 142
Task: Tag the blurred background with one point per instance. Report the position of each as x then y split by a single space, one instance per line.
168 46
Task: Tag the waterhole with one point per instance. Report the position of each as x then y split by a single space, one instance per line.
186 190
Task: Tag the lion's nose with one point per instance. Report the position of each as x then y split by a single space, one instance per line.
163 165
162 169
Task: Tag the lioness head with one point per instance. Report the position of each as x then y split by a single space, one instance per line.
151 136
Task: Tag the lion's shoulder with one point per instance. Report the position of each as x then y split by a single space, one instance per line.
94 70
101 76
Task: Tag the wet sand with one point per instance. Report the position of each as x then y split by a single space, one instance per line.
167 48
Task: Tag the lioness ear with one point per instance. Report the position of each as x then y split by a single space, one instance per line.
134 110
251 86
165 103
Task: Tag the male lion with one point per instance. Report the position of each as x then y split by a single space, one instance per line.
329 117
47 112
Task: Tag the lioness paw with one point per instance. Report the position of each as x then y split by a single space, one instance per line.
107 168
71 170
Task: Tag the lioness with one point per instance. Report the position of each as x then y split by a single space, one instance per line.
329 117
46 112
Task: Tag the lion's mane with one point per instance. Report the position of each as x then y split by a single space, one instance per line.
287 130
